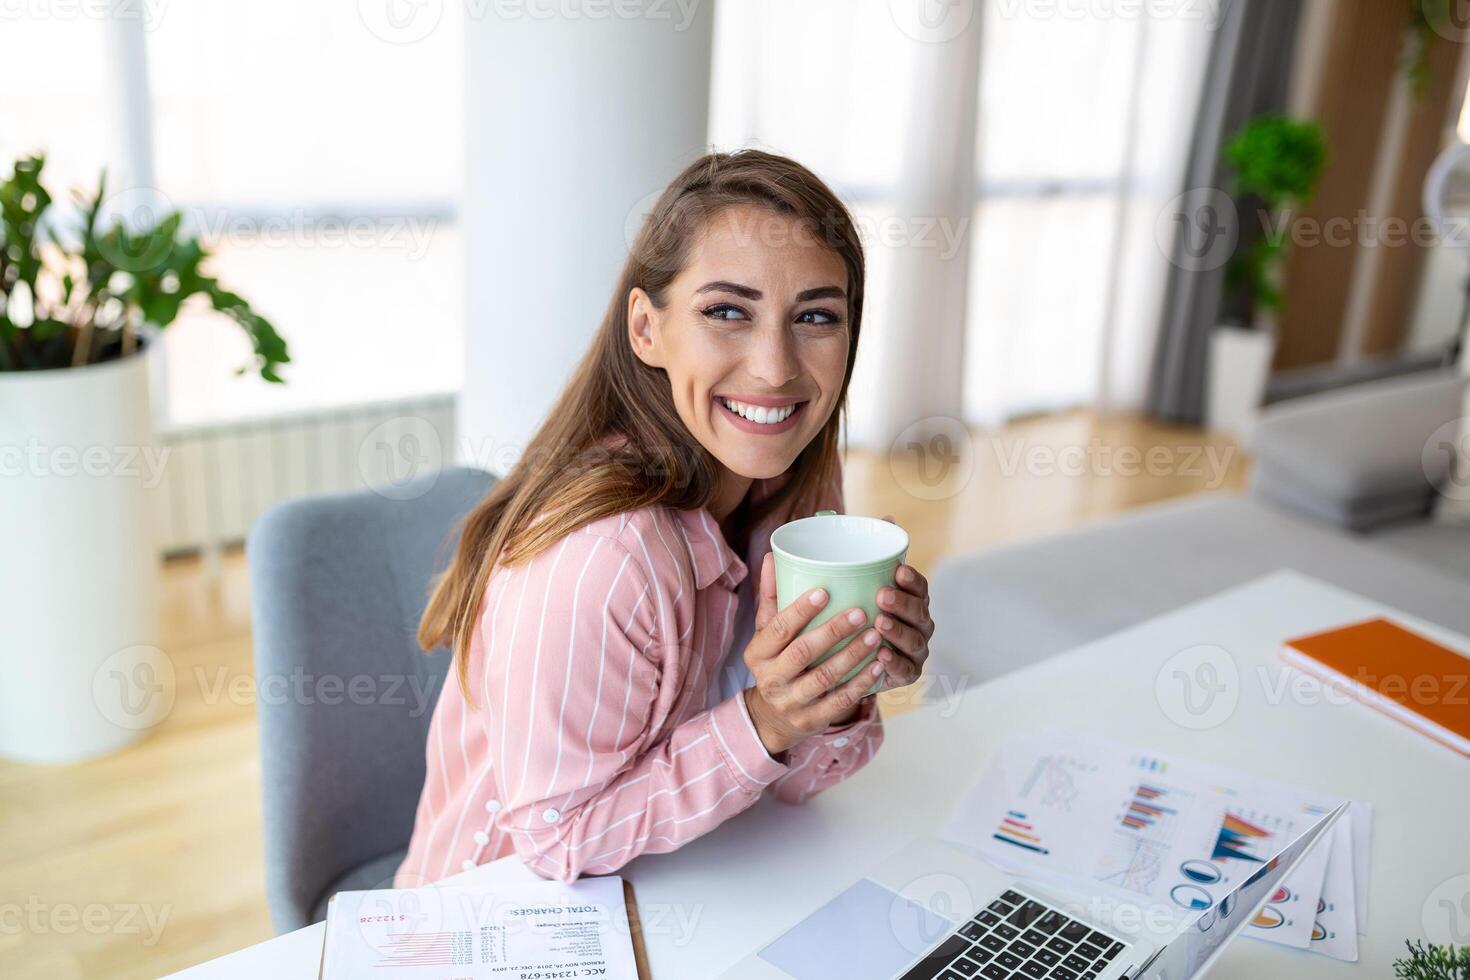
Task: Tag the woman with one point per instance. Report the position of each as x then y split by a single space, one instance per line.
624 684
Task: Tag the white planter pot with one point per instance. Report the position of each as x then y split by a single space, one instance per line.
1239 367
79 654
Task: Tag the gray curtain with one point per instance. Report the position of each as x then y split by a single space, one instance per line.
1247 74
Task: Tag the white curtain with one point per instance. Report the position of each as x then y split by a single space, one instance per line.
1078 115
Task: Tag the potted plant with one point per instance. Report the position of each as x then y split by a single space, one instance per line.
1430 961
79 308
1278 163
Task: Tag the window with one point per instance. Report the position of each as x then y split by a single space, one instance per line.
318 159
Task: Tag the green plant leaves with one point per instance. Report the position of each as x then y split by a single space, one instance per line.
129 276
1277 159
1428 961
1278 162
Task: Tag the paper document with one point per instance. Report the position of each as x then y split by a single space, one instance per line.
1166 833
544 930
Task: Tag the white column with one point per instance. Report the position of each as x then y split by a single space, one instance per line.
132 192
922 352
574 115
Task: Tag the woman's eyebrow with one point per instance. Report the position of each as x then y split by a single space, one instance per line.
818 292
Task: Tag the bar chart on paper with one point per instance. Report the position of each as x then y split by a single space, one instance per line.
1140 843
1241 839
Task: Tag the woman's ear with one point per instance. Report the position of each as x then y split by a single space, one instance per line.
643 328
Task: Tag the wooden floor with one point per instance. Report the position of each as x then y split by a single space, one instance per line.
150 860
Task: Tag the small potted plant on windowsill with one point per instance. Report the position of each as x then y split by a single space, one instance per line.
1278 163
79 310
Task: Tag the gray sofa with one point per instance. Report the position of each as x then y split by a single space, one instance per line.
1339 491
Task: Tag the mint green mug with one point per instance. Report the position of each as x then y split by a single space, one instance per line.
850 556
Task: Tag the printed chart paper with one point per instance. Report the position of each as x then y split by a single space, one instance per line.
1162 832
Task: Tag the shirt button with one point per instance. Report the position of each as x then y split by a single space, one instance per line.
482 838
467 864
551 814
493 806
840 742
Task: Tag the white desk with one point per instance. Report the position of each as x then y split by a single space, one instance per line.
707 905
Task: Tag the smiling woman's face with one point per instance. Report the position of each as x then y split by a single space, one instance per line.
754 338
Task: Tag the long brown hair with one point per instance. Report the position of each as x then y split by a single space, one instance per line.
569 475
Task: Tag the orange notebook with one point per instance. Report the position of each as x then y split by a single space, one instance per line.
1402 674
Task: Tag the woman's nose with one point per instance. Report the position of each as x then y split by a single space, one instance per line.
773 361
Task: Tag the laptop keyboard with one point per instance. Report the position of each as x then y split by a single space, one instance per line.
1017 937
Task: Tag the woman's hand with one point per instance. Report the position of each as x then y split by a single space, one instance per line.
906 625
792 699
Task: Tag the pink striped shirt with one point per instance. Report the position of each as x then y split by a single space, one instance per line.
593 740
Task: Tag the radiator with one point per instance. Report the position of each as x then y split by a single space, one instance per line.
217 479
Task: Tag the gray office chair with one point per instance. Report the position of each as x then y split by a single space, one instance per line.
344 694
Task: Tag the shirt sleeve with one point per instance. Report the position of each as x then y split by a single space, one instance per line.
822 761
573 688
826 759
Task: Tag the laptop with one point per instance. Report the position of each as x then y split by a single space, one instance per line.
992 927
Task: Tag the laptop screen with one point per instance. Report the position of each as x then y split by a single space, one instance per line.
1195 948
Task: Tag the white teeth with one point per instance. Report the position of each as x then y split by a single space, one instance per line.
758 413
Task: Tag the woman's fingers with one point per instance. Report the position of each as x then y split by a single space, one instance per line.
903 637
842 700
826 675
899 669
913 580
802 652
765 609
782 629
906 625
907 606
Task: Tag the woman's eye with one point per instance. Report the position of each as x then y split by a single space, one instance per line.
724 311
822 317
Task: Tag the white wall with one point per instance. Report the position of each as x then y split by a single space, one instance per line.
571 123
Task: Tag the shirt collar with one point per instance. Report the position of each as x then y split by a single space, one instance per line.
709 554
